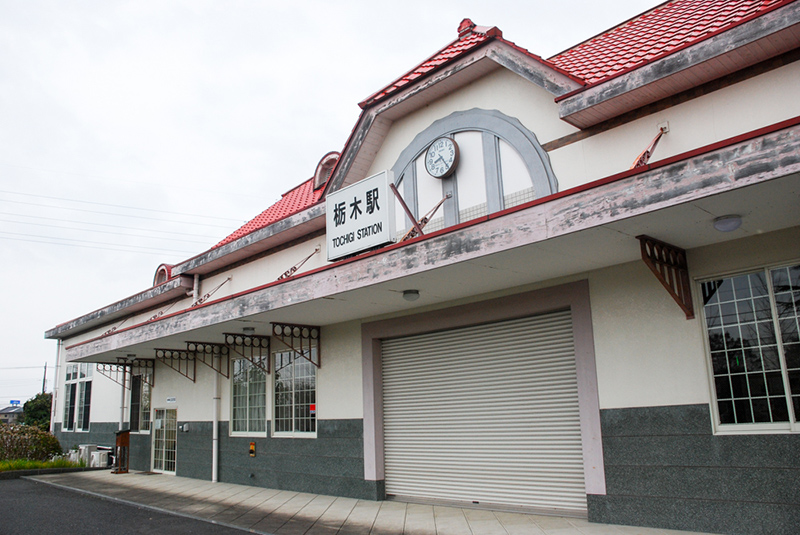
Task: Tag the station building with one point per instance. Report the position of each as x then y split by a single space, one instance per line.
566 285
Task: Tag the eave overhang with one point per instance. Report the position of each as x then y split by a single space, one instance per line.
566 234
287 229
375 120
174 288
749 43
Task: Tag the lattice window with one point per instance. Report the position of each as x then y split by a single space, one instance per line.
752 326
295 394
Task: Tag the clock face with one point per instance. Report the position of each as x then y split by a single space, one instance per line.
442 157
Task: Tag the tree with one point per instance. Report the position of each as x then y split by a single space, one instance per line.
37 411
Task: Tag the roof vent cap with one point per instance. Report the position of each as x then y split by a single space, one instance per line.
465 28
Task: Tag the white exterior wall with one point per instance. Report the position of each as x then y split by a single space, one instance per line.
648 353
746 106
500 90
339 383
755 103
104 403
267 269
194 401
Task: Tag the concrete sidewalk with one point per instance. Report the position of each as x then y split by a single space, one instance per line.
281 512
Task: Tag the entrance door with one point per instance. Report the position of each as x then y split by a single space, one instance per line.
165 436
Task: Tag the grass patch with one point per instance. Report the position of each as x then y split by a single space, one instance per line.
25 464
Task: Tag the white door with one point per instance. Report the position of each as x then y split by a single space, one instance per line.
165 435
486 415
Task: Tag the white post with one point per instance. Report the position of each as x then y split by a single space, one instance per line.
122 400
215 426
54 400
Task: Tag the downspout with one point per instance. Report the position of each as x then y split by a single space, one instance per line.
215 426
54 399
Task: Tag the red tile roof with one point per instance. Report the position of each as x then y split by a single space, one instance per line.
470 36
656 33
291 202
651 35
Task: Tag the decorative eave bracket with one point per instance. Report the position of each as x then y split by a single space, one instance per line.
179 360
252 347
668 264
215 356
304 340
124 369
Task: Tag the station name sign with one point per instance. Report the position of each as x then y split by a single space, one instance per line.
360 216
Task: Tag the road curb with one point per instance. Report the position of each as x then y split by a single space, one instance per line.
143 506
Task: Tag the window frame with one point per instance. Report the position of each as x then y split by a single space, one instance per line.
76 417
143 385
718 427
294 433
248 432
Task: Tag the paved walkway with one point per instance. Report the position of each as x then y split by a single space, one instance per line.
280 512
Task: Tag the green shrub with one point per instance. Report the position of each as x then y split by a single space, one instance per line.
27 442
24 464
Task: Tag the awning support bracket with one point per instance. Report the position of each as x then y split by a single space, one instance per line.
252 347
116 372
304 340
644 157
179 360
668 264
215 356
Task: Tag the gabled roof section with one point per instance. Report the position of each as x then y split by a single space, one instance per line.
470 36
477 52
654 34
291 202
676 47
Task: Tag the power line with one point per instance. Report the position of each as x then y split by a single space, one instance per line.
85 246
117 206
116 214
104 232
95 242
110 226
108 178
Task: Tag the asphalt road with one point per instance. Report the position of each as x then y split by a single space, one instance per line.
28 507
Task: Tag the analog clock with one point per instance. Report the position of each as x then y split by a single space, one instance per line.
442 157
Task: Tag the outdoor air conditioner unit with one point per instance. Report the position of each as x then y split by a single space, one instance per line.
99 459
85 452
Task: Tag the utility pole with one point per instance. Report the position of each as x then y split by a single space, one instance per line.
44 378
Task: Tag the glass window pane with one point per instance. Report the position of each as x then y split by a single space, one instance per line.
758 385
780 412
726 412
744 414
761 410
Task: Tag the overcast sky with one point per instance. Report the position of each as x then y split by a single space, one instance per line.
136 133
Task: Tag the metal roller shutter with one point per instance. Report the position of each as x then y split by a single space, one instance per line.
486 414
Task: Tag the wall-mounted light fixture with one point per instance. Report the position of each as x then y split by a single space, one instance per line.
249 331
728 223
410 295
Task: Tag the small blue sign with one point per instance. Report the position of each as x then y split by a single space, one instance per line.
15 402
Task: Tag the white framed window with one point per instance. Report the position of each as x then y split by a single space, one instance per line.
295 390
249 397
751 323
140 404
78 397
